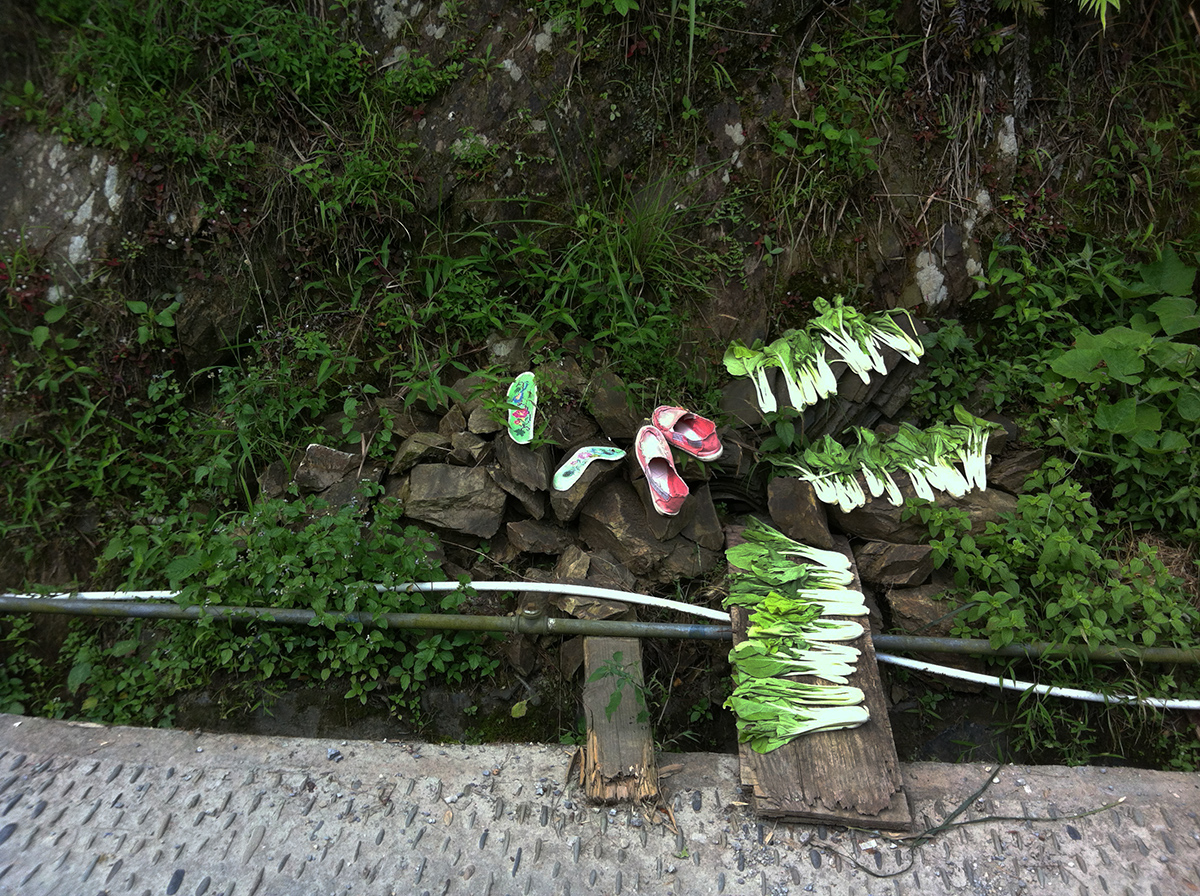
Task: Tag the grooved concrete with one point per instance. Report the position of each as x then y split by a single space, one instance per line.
95 810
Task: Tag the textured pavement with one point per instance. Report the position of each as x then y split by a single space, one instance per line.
96 810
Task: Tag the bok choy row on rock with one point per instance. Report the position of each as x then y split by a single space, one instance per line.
853 338
930 457
793 592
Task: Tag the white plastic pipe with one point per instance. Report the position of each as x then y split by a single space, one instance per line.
1013 684
544 587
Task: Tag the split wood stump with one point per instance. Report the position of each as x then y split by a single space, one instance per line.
618 759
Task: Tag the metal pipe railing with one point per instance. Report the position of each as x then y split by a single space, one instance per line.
526 624
539 624
1036 650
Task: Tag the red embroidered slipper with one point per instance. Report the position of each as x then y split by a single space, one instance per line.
690 433
667 489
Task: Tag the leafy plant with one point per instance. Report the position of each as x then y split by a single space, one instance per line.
280 555
617 671
1045 573
1127 399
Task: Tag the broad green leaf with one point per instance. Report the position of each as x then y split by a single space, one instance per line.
1080 364
1119 418
1177 314
1169 275
79 674
1145 439
1174 356
1148 419
1124 363
55 313
1120 336
39 336
182 567
1157 385
137 307
1174 441
1189 402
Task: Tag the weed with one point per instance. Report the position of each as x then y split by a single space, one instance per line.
281 554
616 671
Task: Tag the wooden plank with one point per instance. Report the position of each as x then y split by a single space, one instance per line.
618 761
849 777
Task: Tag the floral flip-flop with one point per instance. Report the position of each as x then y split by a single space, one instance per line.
522 400
573 467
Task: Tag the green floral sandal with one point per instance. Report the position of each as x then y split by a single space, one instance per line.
522 400
574 466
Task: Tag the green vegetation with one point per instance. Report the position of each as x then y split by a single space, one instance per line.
278 162
830 148
1097 359
1098 356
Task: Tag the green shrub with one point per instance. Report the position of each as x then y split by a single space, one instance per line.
1046 573
302 555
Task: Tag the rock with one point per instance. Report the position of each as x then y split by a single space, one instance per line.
611 407
521 654
798 513
352 490
925 612
520 463
919 611
485 420
881 563
566 504
1010 471
211 320
614 520
573 564
533 502
454 420
664 527
704 527
568 424
604 571
533 537
688 560
405 420
507 352
534 603
880 521
464 499
322 467
274 480
589 607
483 403
65 201
738 401
736 460
894 393
468 449
570 657
418 448
560 377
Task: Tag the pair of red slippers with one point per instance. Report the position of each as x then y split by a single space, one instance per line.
678 428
